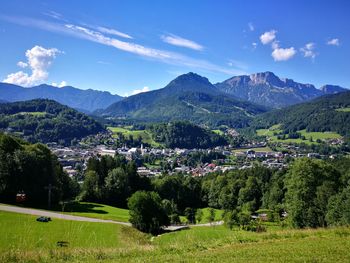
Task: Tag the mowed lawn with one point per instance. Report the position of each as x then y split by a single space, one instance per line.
145 135
25 240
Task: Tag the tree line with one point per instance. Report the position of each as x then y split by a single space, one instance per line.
313 193
29 169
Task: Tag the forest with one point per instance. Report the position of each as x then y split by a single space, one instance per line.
314 193
45 121
30 169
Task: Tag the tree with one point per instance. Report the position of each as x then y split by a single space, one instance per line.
190 214
211 216
310 183
146 212
116 187
199 215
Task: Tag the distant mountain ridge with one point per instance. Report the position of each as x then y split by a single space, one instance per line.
83 100
188 97
267 89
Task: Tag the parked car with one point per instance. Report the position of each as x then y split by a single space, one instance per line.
43 219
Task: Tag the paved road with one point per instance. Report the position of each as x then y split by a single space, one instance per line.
36 212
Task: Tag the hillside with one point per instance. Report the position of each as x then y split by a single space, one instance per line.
188 97
327 113
46 121
185 135
267 89
83 100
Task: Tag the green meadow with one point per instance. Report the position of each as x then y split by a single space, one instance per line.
145 136
23 239
343 109
97 211
272 132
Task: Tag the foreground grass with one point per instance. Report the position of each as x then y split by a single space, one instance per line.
25 240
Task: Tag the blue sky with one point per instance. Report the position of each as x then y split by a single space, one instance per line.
129 46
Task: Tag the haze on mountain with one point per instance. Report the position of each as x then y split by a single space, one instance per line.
82 100
267 89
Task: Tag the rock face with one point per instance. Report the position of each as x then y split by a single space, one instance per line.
269 90
83 100
332 89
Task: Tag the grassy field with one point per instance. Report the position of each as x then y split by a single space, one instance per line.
308 135
25 240
118 214
219 132
34 113
97 211
145 135
259 149
205 211
343 109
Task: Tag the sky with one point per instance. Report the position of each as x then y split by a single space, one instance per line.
127 47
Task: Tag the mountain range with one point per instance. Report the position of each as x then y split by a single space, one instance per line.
267 89
188 97
82 100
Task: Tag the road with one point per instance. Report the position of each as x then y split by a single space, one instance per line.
36 212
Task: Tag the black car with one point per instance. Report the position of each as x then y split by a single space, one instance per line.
43 219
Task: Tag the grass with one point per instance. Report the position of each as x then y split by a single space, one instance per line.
146 137
219 132
97 211
343 109
34 113
258 149
25 240
275 129
218 215
205 211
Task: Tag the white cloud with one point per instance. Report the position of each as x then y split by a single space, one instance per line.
181 42
39 59
275 44
268 37
283 54
112 31
137 91
237 64
164 56
254 45
308 50
251 26
59 85
22 64
333 42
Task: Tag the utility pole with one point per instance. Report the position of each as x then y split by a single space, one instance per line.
49 188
